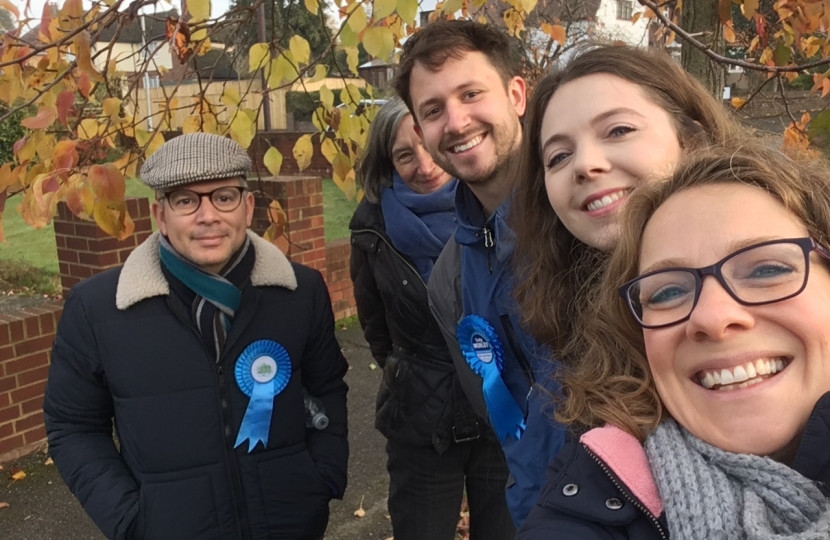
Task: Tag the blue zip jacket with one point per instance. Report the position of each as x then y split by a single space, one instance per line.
473 277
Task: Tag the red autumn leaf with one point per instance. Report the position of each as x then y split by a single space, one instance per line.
107 182
44 118
761 29
64 103
84 84
177 33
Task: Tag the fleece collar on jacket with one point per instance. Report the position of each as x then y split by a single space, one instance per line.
142 278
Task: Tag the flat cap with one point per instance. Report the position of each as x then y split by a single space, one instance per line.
194 157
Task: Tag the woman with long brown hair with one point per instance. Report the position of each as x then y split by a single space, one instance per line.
704 367
612 119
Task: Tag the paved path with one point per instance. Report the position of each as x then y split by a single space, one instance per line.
41 507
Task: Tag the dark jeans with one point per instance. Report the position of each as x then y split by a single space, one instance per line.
425 491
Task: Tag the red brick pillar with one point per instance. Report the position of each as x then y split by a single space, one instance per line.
301 198
85 250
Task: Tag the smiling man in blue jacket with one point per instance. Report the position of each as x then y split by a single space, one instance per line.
463 88
200 349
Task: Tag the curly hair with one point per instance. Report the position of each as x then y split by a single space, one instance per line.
552 266
608 379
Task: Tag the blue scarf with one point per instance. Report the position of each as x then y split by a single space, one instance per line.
419 225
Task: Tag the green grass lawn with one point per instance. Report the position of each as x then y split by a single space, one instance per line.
29 257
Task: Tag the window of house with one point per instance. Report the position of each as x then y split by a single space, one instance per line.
625 9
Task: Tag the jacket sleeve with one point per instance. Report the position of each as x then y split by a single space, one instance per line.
78 412
371 311
444 292
323 369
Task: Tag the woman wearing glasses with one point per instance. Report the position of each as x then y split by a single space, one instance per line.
706 369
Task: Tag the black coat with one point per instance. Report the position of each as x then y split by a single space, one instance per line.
419 401
587 516
177 412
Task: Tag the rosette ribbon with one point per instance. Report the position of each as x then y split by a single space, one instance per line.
262 372
483 351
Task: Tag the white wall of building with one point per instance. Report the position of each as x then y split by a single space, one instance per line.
610 27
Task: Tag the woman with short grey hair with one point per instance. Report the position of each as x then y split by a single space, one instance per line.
436 445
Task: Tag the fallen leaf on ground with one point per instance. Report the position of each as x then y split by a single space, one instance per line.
373 366
4 505
49 462
360 512
19 475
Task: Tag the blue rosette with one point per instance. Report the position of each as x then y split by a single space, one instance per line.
483 351
262 372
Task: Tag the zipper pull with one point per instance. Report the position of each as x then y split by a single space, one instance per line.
488 237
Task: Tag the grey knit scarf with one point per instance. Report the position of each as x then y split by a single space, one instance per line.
709 494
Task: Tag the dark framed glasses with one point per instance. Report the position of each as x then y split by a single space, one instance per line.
184 202
763 273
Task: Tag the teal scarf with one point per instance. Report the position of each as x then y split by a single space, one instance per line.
217 298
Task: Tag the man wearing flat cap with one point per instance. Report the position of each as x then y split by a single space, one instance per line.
201 349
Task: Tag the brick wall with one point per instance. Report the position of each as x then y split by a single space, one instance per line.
338 279
85 250
301 197
25 348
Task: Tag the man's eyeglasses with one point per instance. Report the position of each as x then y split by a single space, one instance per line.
184 202
763 273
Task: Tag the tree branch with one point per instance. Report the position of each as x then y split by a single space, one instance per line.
723 60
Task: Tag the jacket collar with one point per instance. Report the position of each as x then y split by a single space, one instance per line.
472 222
812 458
142 277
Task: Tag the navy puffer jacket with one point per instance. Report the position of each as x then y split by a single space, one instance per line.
126 350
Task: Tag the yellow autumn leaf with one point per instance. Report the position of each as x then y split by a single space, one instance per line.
191 124
348 37
112 108
326 97
320 72
383 8
528 5
303 150
88 129
408 10
83 56
258 55
300 48
199 10
230 97
313 6
113 218
352 59
152 141
558 33
749 7
358 20
281 70
738 102
242 129
378 42
329 149
273 161
451 6
18 476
